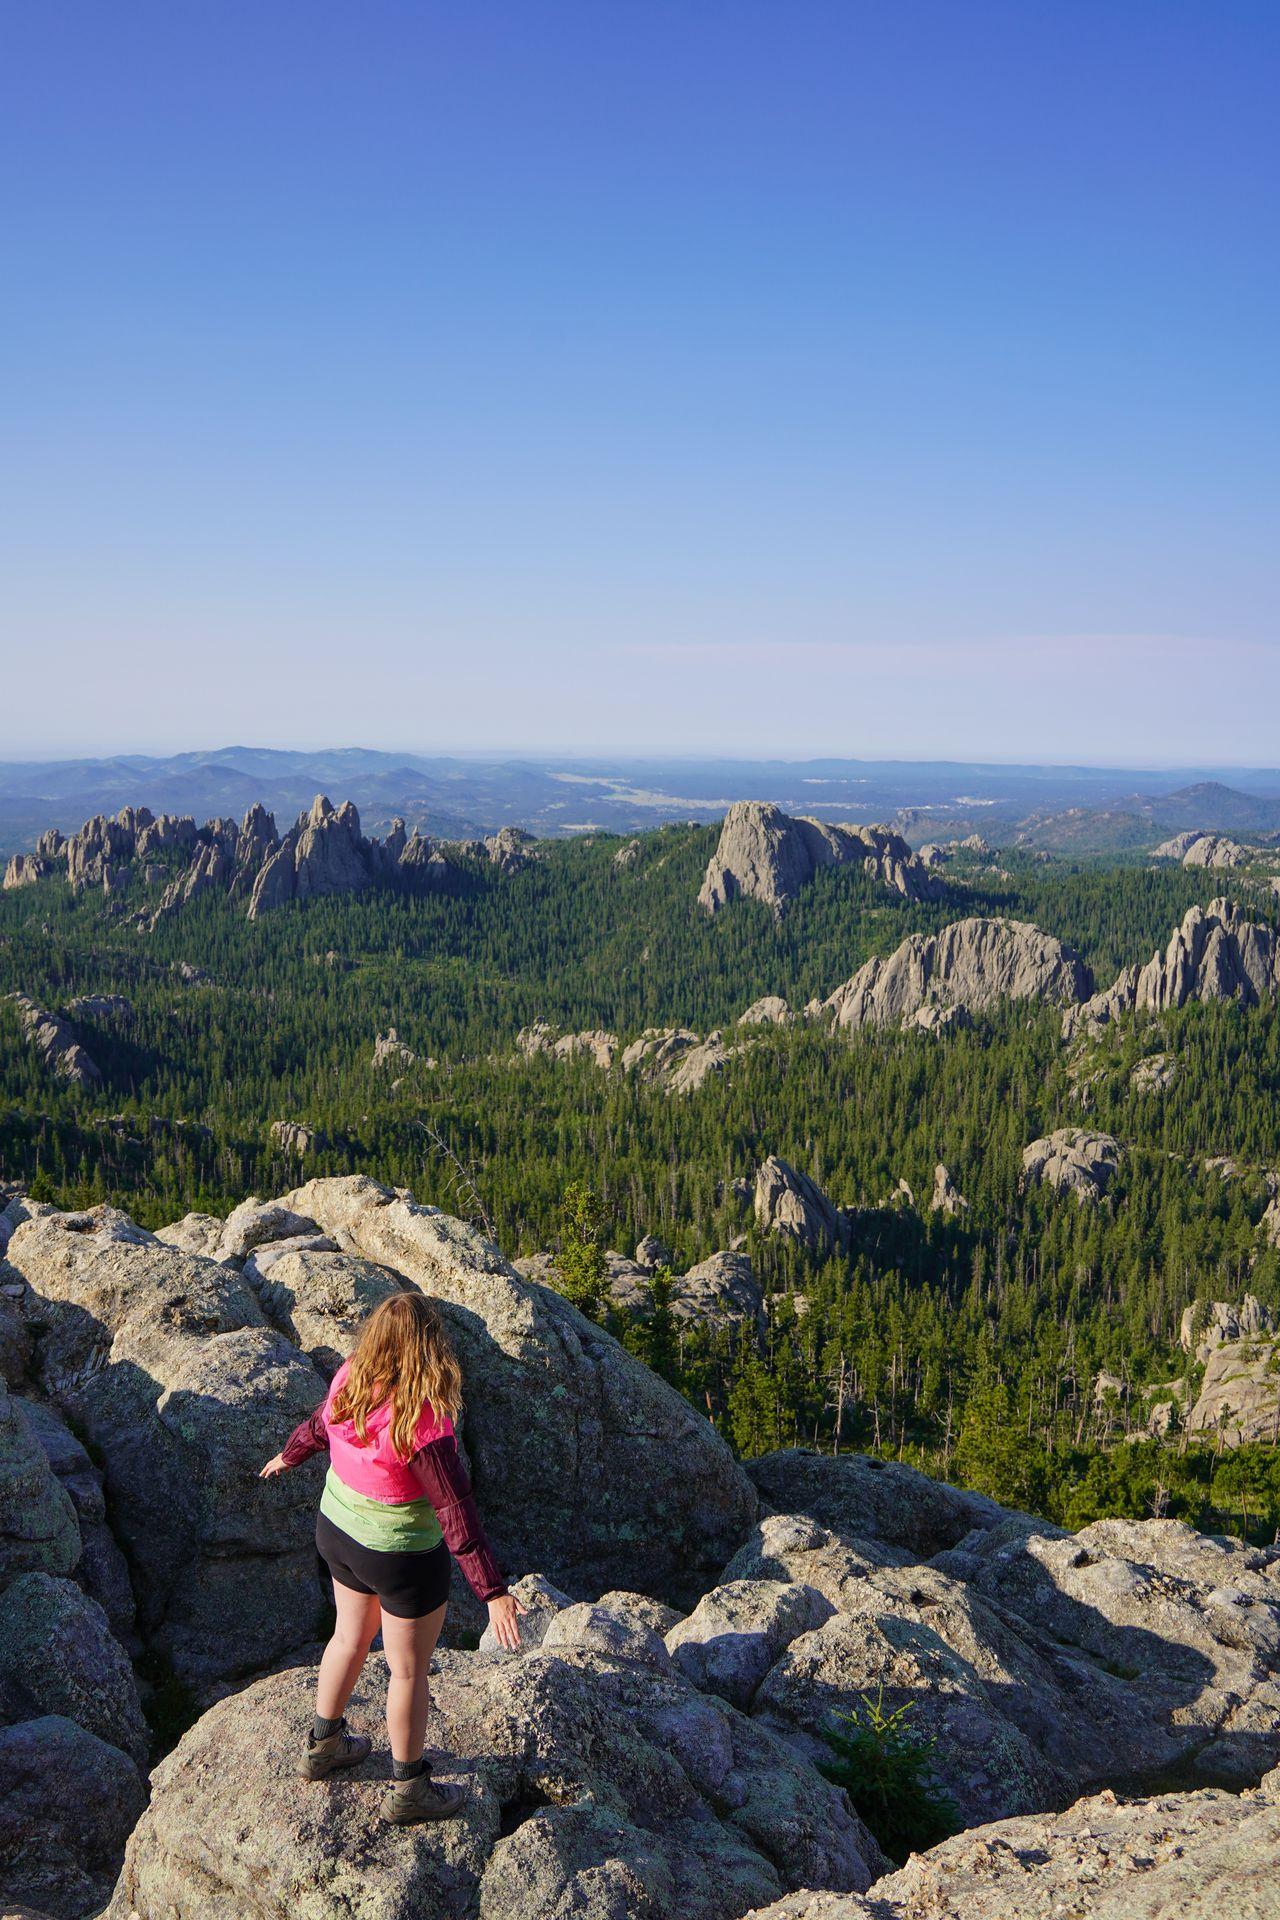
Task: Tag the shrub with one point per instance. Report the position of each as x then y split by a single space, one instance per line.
886 1771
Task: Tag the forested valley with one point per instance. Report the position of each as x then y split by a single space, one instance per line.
969 1343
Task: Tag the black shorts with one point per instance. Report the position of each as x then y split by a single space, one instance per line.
407 1584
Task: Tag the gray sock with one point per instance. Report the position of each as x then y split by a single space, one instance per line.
408 1769
322 1729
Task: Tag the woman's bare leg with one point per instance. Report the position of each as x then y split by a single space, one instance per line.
409 1645
359 1617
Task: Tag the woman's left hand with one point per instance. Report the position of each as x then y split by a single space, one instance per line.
503 1618
275 1465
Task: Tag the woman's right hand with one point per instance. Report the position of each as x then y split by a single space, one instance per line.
274 1465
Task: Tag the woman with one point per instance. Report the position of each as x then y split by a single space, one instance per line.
396 1500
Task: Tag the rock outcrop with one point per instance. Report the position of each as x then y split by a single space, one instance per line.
167 1365
324 852
1216 954
771 1010
765 854
54 1039
1179 1856
947 1197
1072 1160
790 1203
1238 1345
1200 849
971 964
595 1045
297 1140
601 1784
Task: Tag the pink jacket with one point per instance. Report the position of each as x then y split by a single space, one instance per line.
372 1466
435 1473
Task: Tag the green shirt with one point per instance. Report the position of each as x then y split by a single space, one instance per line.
406 1526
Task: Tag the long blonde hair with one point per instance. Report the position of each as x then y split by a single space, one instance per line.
403 1356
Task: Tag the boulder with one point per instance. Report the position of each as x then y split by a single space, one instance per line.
255 1222
652 1253
1200 849
1072 1160
737 1631
1179 1856
38 1530
865 1499
389 1050
1168 1640
721 1291
167 1365
790 1203
1156 1074
765 854
194 1233
101 1569
657 1050
600 1787
771 1010
320 1300
509 849
293 1138
1239 1398
67 1803
58 1656
971 964
541 1601
587 1466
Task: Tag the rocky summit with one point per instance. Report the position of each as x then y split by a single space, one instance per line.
695 1629
324 852
765 854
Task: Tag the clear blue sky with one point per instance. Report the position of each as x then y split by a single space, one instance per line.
894 378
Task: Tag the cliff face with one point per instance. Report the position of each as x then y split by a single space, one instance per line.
970 964
1215 954
768 855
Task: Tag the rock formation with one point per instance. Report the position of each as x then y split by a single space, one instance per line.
1188 1856
324 852
947 1197
771 1010
293 1138
1072 1160
767 855
55 1041
970 964
1201 849
596 1045
1216 954
602 1784
790 1203
1238 1345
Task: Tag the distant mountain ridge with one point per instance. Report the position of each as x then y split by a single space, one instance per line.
1081 808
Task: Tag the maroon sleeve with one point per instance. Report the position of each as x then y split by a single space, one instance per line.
312 1436
440 1473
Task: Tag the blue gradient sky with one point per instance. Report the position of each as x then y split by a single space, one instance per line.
794 378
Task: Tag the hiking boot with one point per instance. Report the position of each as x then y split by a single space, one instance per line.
421 1798
340 1749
